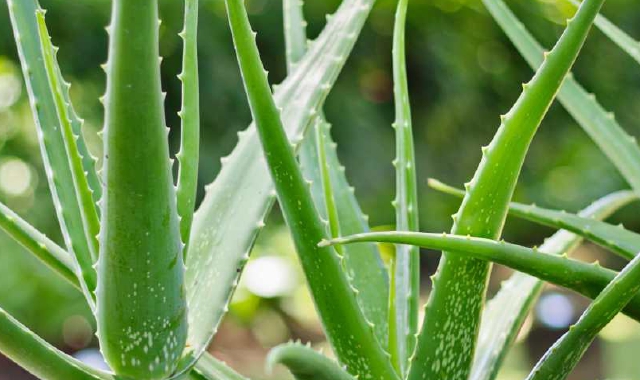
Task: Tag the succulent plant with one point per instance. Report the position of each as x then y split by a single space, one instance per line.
158 274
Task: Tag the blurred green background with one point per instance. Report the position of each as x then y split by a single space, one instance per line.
463 74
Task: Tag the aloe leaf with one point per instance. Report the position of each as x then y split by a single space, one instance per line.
621 148
140 267
295 32
90 221
405 285
460 282
38 357
38 244
305 363
563 356
52 144
235 205
506 311
190 115
363 263
583 278
616 238
213 369
345 326
619 37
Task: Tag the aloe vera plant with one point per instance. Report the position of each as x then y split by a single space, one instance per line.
158 274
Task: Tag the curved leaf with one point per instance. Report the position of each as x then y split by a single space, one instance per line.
305 363
586 279
343 322
563 356
236 205
460 282
505 313
616 238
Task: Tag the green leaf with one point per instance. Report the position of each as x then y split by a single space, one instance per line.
586 279
140 267
616 238
619 37
621 148
305 363
52 142
460 282
237 205
295 34
345 326
505 313
363 263
38 244
39 357
564 355
405 285
190 115
90 221
213 369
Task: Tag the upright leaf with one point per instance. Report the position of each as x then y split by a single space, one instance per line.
305 363
88 213
621 148
405 284
455 304
236 205
345 326
506 311
363 263
563 356
190 115
616 238
52 144
142 320
35 242
619 37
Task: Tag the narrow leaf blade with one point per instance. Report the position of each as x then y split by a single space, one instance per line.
460 283
236 205
621 148
190 114
405 290
342 319
506 311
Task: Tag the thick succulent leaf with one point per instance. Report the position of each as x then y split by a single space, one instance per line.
235 205
621 148
141 270
616 238
304 363
505 313
363 262
52 142
90 221
190 114
405 269
346 328
212 369
586 279
38 244
564 355
39 357
619 37
460 282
